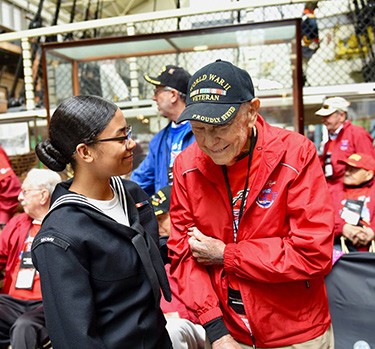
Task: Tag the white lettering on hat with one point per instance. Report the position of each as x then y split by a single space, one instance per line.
228 113
220 81
205 119
205 98
198 80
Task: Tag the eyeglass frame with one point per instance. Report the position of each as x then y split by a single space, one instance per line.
25 191
126 138
167 88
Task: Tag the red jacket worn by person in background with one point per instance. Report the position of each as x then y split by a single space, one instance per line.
365 193
12 240
10 187
284 241
351 139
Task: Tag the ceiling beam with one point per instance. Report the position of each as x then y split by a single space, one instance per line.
31 7
141 17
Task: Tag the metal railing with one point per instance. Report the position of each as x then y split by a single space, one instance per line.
345 54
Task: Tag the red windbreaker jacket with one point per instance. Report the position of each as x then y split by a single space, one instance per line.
284 243
351 139
10 187
12 240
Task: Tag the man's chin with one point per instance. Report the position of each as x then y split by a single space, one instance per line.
222 161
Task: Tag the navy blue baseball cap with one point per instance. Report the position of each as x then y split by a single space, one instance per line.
171 76
216 92
161 200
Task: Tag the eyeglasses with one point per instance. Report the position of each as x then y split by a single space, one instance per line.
158 90
25 191
126 138
167 88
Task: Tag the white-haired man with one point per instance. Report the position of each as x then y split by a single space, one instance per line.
21 312
251 238
344 140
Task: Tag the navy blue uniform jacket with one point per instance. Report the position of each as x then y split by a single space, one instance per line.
100 279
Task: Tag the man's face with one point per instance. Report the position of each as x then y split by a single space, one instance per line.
31 198
164 223
163 96
223 144
356 176
333 121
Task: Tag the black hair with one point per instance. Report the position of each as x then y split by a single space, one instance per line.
311 5
78 119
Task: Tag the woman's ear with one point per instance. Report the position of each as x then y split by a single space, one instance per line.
84 152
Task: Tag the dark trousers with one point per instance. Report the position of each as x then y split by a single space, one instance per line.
21 323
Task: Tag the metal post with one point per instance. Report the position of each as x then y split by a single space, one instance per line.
133 66
28 74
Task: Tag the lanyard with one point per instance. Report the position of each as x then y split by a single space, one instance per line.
331 145
244 193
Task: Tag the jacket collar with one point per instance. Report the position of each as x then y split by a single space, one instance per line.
63 197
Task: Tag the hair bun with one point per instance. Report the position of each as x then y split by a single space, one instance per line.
50 156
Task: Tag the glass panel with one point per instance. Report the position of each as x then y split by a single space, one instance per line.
114 67
59 77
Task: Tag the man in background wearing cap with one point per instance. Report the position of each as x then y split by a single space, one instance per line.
181 323
355 205
252 221
155 171
344 140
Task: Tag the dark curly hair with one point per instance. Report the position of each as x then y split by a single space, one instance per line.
76 120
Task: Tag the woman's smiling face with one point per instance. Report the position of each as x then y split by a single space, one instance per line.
115 156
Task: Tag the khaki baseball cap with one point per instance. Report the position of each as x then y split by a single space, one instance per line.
332 105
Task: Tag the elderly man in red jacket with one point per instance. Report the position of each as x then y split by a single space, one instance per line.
355 204
344 140
252 221
21 313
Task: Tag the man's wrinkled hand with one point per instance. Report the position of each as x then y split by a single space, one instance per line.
366 236
352 232
206 250
226 342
